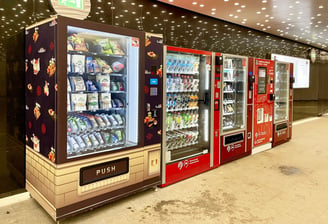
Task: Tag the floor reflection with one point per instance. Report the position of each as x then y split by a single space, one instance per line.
12 159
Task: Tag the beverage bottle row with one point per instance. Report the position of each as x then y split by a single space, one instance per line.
179 120
181 101
179 139
178 82
178 63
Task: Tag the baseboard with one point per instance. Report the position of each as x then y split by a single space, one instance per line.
261 148
14 199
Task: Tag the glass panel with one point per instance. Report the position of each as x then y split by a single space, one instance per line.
187 105
281 92
262 81
233 89
102 92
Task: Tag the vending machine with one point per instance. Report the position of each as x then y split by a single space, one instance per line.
236 109
88 112
263 72
187 130
283 103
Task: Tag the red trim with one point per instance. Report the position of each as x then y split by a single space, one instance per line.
187 50
186 168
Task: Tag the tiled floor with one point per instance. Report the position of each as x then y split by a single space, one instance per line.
287 184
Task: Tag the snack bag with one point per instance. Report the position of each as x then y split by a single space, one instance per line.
116 47
93 101
105 68
78 43
103 82
105 46
105 101
78 63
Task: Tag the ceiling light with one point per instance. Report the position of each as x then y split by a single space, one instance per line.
231 15
319 14
258 12
226 0
238 10
236 3
297 2
171 0
194 3
263 8
201 5
321 7
213 13
213 9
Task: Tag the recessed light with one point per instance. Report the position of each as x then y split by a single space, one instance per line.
236 3
319 14
258 12
238 10
213 9
171 0
263 8
321 7
201 5
213 13
194 3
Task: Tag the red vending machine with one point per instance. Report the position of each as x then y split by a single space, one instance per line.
87 114
187 146
263 71
283 104
236 110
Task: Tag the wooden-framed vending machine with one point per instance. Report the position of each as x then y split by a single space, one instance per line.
283 103
263 72
187 126
93 134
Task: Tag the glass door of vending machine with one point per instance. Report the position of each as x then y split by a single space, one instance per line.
233 107
281 87
102 92
281 104
234 95
186 137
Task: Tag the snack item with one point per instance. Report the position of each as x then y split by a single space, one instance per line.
80 142
118 118
77 83
87 141
99 138
105 101
94 140
116 47
105 68
105 46
117 66
77 42
68 63
78 101
91 86
103 82
93 101
78 63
